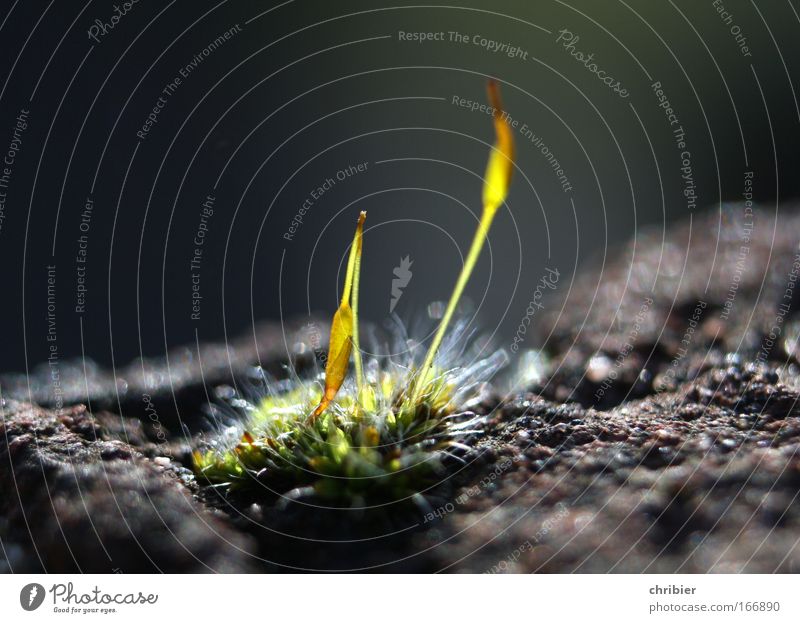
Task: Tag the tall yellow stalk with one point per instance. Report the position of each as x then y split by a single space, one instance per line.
344 327
358 243
495 189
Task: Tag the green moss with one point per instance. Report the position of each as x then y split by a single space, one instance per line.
387 434
380 446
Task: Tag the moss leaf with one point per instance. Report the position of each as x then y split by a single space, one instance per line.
341 344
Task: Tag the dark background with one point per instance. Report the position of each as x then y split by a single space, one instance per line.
310 88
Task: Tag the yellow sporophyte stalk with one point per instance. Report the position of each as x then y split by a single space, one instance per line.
357 243
344 328
495 189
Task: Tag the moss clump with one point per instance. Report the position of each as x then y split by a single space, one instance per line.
386 435
377 447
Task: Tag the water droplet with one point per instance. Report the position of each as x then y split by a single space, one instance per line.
436 310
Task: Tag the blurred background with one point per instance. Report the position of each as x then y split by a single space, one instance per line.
178 171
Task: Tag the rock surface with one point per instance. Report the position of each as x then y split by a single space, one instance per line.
75 501
703 479
663 436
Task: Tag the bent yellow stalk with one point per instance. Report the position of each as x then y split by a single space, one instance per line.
495 188
344 327
357 243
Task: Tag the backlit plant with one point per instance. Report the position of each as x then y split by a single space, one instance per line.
387 432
